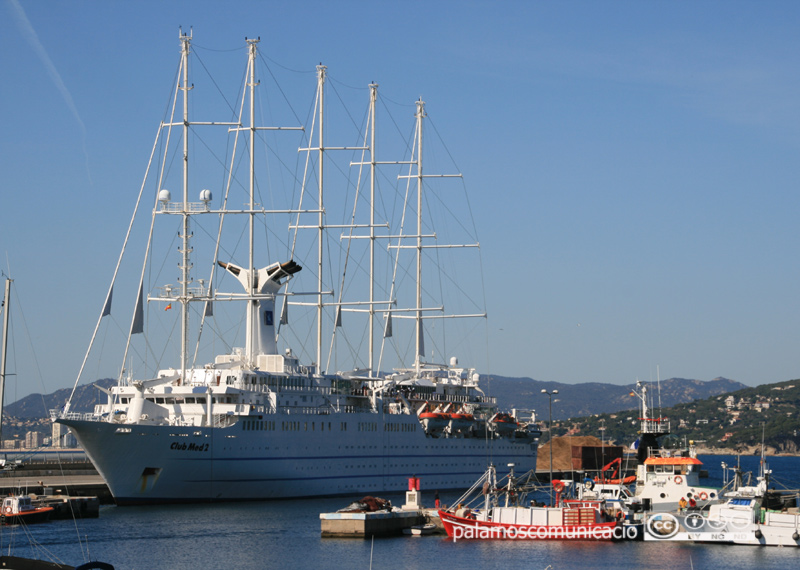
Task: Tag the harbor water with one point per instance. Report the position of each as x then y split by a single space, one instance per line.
286 534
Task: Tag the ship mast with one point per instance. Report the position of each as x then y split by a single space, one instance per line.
321 69
420 341
6 308
252 336
419 310
185 235
373 97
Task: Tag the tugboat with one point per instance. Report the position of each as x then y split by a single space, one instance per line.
664 477
19 509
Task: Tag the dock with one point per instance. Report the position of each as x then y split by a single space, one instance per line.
51 474
365 525
379 518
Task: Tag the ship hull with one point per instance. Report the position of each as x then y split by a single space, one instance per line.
285 456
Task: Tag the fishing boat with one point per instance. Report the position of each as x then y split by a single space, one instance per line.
566 519
665 476
254 422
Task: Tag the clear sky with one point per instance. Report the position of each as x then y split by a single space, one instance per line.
634 165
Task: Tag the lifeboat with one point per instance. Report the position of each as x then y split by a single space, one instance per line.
504 423
433 421
460 421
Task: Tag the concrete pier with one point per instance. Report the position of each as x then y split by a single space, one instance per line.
365 525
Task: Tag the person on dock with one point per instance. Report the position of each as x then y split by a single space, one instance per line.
436 498
682 505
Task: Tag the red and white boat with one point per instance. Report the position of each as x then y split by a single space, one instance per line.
568 520
19 509
664 477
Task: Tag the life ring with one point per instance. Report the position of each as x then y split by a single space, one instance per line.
588 484
702 496
678 479
8 510
558 486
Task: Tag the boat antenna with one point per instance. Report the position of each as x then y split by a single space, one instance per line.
658 381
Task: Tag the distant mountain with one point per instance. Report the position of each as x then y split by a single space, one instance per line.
39 406
589 398
572 400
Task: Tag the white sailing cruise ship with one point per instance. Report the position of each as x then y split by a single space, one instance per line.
256 423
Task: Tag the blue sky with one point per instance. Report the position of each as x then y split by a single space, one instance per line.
633 165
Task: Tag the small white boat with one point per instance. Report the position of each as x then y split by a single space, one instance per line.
420 529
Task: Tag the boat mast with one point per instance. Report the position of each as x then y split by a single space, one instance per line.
185 249
252 335
6 307
373 96
419 338
321 69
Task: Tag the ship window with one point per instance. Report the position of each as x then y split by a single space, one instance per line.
201 400
190 400
125 400
159 400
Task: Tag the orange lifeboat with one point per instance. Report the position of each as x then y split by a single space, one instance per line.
504 423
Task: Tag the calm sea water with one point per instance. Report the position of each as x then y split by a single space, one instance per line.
286 534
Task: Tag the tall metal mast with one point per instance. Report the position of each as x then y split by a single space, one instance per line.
185 249
419 246
6 308
373 96
321 69
252 336
419 338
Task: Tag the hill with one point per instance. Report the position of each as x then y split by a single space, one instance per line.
734 422
32 413
39 405
575 400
